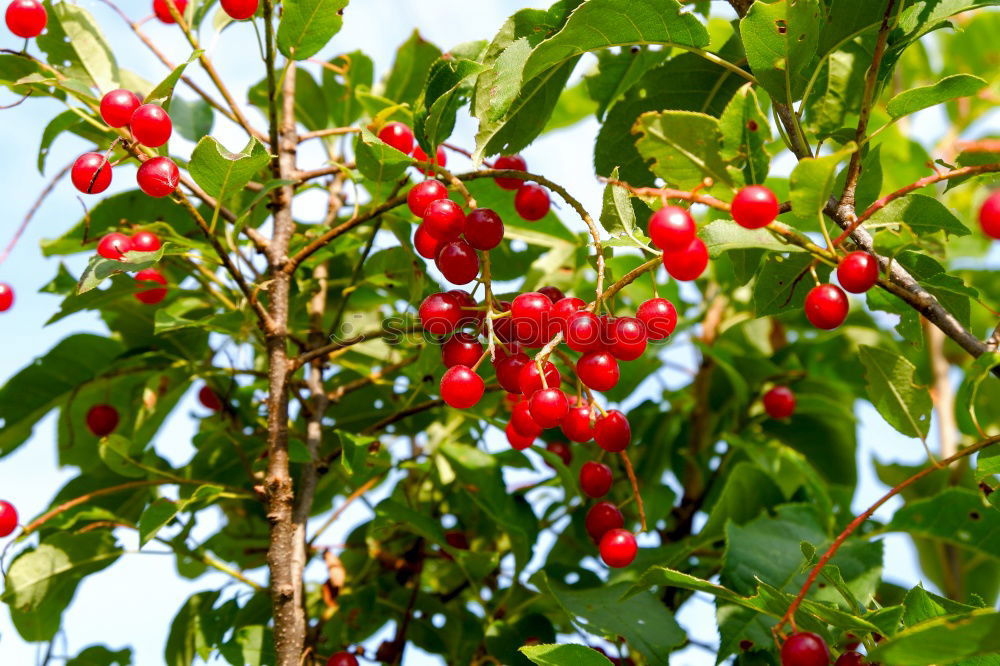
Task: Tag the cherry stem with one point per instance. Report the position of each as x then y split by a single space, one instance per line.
635 488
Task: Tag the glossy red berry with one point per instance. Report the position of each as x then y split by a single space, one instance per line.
595 479
114 246
989 216
530 380
826 306
562 450
118 106
578 425
461 387
530 306
342 659
440 313
209 398
850 658
444 219
598 370
672 227
618 548
483 229
26 18
145 241
583 332
461 349
470 312
510 163
6 296
532 202
548 407
240 9
602 518
8 518
659 317
151 125
627 339
516 439
458 262
397 135
612 431
91 173
857 272
805 649
440 158
422 194
509 371
522 421
153 295
554 294
102 420
687 262
754 206
426 245
564 308
158 177
779 402
162 11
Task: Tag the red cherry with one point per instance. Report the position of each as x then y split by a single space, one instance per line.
688 262
672 227
602 518
397 135
483 229
160 8
530 380
114 246
91 173
618 548
151 125
422 194
826 306
426 245
598 370
102 420
562 450
154 295
532 202
509 372
118 106
470 312
595 479
6 296
659 317
240 9
522 422
342 659
548 407
461 349
612 431
26 18
754 206
8 518
516 439
779 402
209 398
444 219
554 293
461 387
564 308
158 177
530 306
440 313
145 241
857 272
583 332
458 262
440 158
510 163
577 426
628 338
850 658
804 649
989 216
502 327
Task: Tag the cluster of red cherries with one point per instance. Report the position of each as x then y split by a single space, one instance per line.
114 246
808 649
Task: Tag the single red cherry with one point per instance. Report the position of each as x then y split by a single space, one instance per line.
779 402
826 306
444 219
151 125
577 424
145 241
397 135
8 518
612 431
672 227
26 18
805 649
659 317
583 332
158 177
461 349
618 548
522 421
850 658
422 194
440 313
458 262
532 202
118 106
471 314
510 163
342 659
241 9
153 295
562 450
595 479
857 272
426 245
548 407
160 8
564 308
754 206
440 158
91 173
516 439
102 420
554 293
628 339
483 229
530 380
602 518
687 262
209 398
598 370
509 371
6 296
114 246
461 387
530 306
989 216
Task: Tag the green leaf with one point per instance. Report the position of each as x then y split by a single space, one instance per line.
893 391
955 515
780 285
618 214
250 646
564 655
781 40
220 172
307 25
747 492
156 516
965 398
683 147
811 182
116 451
617 72
724 236
449 85
341 90
922 213
100 269
948 88
921 605
943 640
164 90
87 40
745 134
191 632
192 119
409 72
98 655
378 161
